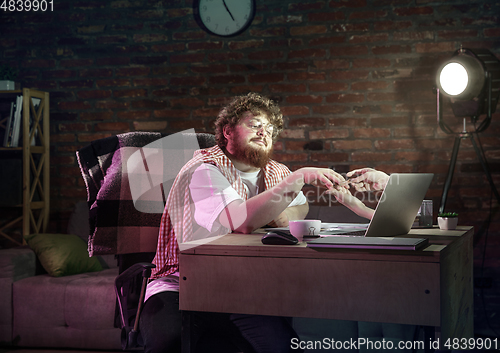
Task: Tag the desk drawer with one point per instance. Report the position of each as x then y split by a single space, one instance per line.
381 291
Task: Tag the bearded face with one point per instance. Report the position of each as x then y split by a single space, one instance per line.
256 152
250 141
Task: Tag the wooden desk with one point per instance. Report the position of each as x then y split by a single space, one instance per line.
432 287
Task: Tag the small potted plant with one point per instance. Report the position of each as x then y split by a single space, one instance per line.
448 220
8 76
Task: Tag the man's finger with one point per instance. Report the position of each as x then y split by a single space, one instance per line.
336 178
359 187
357 171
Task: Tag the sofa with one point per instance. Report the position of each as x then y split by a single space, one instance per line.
68 304
75 311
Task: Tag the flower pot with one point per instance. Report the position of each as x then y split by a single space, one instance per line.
447 223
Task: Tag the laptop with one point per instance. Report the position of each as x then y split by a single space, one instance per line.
393 216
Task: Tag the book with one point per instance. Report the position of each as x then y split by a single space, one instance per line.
17 122
7 139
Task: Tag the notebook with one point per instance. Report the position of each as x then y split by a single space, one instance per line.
393 216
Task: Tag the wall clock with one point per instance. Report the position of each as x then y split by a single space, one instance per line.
224 18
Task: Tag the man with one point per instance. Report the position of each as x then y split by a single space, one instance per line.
234 186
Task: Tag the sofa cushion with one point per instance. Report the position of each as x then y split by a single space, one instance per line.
71 311
62 254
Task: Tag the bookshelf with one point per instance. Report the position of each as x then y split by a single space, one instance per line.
32 155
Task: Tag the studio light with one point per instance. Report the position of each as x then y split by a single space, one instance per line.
470 79
453 79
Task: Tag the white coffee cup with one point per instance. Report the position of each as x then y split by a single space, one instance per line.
304 227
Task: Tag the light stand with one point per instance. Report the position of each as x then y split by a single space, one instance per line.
488 109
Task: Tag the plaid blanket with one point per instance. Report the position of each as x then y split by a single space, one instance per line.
128 177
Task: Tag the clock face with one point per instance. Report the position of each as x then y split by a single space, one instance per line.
224 18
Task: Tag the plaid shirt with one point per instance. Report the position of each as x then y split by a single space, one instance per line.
177 216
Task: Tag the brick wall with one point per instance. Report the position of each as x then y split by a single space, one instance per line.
354 79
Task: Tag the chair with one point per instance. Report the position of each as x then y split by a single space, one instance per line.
128 177
128 303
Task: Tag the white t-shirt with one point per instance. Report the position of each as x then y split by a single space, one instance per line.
211 192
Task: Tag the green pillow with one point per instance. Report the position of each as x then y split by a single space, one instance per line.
62 254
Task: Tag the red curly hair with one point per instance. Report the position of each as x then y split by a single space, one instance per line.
231 114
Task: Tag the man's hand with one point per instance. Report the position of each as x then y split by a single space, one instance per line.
322 177
280 221
367 179
293 212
